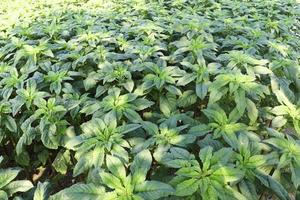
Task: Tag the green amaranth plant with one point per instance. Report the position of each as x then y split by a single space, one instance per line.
99 138
119 105
239 87
122 185
166 100
210 179
8 186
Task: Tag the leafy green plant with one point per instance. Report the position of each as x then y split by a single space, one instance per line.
243 61
220 125
257 166
288 148
201 74
166 100
120 105
7 122
50 123
100 137
8 186
26 96
162 77
9 81
199 46
210 178
31 54
118 72
287 108
239 86
164 137
124 186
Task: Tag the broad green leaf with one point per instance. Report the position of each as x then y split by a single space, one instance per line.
164 106
201 90
228 174
205 155
10 123
295 169
42 191
272 184
262 70
186 79
187 187
61 162
83 163
25 139
132 115
110 180
3 195
278 122
128 128
199 130
7 175
248 190
153 190
115 166
80 191
48 137
240 99
251 111
221 156
140 166
187 98
150 127
18 186
173 90
142 103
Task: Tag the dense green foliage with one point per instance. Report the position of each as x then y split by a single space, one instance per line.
145 100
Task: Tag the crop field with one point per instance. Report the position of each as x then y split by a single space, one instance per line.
149 100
